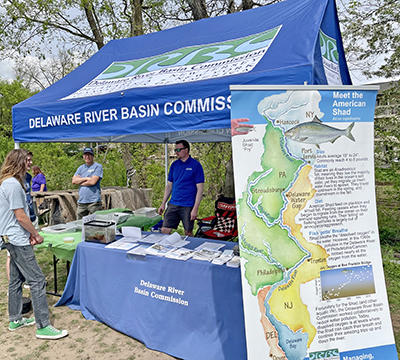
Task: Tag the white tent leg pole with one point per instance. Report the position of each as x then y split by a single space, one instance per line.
16 145
166 163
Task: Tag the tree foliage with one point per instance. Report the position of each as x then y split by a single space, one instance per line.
36 27
387 163
33 27
387 127
11 94
372 32
36 74
213 157
59 161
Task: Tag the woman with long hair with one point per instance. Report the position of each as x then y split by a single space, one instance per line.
39 180
19 236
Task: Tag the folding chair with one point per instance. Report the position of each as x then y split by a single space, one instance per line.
221 226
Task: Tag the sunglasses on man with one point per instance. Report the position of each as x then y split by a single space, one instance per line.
179 150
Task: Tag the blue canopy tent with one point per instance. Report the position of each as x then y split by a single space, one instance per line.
175 83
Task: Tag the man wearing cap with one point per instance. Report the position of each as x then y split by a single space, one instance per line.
88 177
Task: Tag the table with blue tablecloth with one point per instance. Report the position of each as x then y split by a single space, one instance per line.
61 250
189 309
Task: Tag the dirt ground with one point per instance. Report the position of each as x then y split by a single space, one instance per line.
86 340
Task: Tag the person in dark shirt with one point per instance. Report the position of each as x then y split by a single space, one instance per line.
185 186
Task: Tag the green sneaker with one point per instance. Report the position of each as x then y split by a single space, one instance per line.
18 324
50 333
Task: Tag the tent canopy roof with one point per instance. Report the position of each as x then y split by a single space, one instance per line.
175 83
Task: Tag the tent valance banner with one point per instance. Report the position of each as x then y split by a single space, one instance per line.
308 233
174 83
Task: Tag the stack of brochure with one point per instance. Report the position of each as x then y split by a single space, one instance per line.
159 250
174 240
224 258
138 253
121 245
206 255
166 245
209 246
235 262
180 254
156 244
207 251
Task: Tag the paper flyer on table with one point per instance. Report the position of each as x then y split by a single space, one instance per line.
159 250
139 250
234 262
121 245
308 232
131 234
180 254
206 254
174 240
153 238
209 246
224 258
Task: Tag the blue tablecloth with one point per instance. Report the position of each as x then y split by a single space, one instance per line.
198 316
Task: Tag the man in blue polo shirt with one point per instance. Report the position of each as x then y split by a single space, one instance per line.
185 186
88 177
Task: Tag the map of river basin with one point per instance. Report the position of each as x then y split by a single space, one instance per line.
311 264
277 257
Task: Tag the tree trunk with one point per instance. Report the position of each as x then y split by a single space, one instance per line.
231 7
131 175
93 23
136 20
247 4
198 8
137 17
229 186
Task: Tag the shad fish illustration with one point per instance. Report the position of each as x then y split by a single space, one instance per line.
316 132
346 271
244 129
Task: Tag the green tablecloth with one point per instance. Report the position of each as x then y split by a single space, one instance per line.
144 223
66 251
56 245
138 221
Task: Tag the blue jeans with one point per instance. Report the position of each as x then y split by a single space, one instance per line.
24 267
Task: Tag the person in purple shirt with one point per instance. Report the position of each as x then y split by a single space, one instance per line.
39 180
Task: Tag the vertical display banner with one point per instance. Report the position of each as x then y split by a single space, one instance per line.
312 275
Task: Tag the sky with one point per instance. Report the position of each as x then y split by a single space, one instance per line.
6 71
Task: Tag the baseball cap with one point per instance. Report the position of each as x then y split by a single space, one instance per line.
88 150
